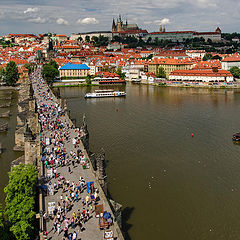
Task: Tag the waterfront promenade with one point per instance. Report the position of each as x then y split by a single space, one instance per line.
65 163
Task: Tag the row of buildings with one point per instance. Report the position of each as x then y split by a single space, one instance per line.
124 29
136 70
78 59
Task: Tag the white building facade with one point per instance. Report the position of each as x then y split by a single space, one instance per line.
201 76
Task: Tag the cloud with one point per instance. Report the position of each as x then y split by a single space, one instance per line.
206 3
37 20
163 21
147 22
87 21
183 14
30 10
62 21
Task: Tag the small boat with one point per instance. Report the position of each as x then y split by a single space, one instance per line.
105 93
236 137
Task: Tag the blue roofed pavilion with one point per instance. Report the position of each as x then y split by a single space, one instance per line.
72 66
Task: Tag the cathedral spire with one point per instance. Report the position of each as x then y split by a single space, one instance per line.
113 26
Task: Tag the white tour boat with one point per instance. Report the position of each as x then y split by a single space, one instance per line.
105 93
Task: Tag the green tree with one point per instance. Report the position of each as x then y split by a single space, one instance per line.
120 73
2 74
95 39
53 63
88 80
5 233
156 42
150 56
1 219
117 39
149 40
235 71
50 72
207 56
11 74
80 39
209 41
87 39
30 67
161 73
20 200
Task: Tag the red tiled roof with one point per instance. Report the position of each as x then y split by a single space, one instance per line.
70 47
208 73
171 61
22 35
208 64
232 58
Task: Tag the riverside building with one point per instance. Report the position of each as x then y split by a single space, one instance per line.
74 70
169 65
208 76
231 61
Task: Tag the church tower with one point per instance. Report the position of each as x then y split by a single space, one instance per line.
218 30
114 27
119 24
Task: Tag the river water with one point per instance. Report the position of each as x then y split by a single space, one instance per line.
7 138
171 185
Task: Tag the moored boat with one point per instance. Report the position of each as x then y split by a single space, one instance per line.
105 93
236 137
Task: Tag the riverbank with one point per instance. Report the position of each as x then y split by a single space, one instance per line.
158 84
236 85
56 85
198 86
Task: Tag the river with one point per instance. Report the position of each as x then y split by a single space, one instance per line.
7 138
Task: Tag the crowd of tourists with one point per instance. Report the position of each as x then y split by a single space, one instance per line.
56 136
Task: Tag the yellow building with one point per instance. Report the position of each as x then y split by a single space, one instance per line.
169 65
74 70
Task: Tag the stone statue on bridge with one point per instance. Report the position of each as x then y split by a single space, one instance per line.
85 136
101 166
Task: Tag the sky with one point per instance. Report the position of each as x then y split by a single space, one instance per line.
75 16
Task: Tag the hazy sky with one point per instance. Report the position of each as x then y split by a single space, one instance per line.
73 16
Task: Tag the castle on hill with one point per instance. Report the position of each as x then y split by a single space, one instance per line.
120 26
